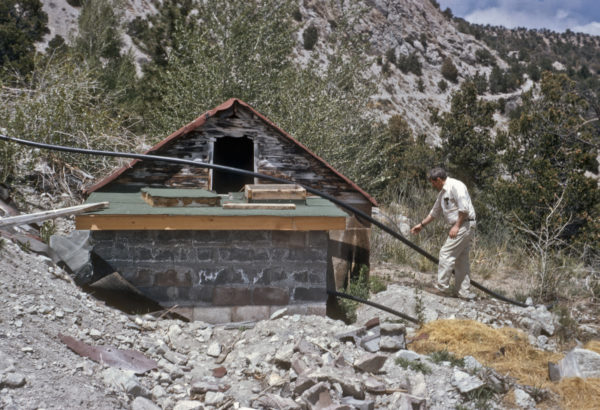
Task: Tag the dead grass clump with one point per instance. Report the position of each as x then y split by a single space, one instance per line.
577 393
508 351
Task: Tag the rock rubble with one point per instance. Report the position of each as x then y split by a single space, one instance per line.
288 362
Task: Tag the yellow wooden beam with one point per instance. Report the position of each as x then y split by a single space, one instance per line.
207 222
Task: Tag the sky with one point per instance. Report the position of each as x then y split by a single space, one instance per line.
556 15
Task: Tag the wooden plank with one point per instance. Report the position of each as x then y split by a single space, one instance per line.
274 191
55 213
157 201
257 205
206 222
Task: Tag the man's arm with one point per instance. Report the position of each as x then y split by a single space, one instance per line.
417 228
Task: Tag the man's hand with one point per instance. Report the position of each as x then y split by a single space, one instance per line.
454 231
416 229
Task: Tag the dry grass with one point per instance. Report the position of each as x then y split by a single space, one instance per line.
508 351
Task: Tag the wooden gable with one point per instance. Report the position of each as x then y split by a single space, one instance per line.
273 153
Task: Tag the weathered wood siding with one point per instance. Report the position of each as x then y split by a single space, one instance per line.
275 155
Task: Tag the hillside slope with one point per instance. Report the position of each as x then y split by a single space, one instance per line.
392 28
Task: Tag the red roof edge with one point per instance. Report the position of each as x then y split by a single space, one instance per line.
200 121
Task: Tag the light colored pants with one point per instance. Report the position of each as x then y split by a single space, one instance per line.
455 255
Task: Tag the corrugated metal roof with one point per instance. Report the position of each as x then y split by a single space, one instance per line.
200 121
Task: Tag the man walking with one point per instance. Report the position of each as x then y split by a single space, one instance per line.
454 203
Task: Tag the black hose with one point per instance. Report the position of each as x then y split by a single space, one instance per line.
377 305
358 213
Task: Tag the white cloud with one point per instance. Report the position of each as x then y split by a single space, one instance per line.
592 28
556 15
512 19
562 14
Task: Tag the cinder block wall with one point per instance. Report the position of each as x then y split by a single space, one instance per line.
221 268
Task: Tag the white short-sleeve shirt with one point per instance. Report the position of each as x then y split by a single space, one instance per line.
452 199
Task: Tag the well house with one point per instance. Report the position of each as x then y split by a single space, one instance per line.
223 247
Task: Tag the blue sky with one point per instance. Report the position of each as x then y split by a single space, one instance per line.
557 15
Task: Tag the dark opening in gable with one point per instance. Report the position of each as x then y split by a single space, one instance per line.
236 153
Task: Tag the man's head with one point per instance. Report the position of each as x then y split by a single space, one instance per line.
437 176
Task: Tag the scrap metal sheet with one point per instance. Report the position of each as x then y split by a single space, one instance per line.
123 359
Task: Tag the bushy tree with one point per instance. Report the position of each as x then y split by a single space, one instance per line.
449 70
243 49
410 64
467 144
310 37
549 149
442 85
99 42
22 24
484 57
393 158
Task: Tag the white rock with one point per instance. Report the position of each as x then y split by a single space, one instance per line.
524 400
214 350
213 398
464 382
188 405
95 334
580 363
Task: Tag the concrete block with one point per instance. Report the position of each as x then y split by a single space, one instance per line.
204 254
271 296
185 311
142 254
142 277
227 275
250 254
310 294
317 309
249 313
201 294
318 239
173 277
307 254
285 239
231 296
213 314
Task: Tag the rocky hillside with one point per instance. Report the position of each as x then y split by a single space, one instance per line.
395 30
61 348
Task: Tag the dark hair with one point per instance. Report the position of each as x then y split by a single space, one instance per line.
437 172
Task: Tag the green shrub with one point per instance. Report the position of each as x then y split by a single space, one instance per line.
449 70
310 37
47 229
484 57
410 64
390 56
416 365
446 356
376 284
297 14
442 85
358 287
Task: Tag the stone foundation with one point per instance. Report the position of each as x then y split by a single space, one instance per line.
245 274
